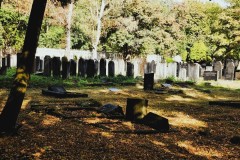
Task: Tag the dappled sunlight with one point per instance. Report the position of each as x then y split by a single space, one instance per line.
49 120
157 143
25 103
107 134
197 94
199 150
178 98
129 125
181 119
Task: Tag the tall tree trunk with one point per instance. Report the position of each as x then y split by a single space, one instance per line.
68 40
99 28
10 112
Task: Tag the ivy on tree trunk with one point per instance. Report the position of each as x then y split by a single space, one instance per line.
10 112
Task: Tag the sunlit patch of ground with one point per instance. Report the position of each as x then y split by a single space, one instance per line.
49 120
178 98
200 150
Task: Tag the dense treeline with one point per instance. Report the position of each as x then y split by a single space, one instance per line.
197 31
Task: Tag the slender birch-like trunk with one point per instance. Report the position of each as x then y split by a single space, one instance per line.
99 28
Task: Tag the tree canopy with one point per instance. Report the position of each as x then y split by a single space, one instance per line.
137 27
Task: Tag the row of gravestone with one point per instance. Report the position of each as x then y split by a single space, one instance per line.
217 71
90 68
86 67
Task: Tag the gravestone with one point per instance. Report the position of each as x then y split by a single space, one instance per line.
210 75
163 70
130 69
182 74
56 66
8 60
90 68
111 69
96 67
218 67
37 63
73 67
82 67
102 67
65 68
41 65
148 81
193 71
4 62
136 108
47 66
152 67
237 75
229 72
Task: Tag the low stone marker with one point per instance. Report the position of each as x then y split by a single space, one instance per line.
156 122
210 75
136 108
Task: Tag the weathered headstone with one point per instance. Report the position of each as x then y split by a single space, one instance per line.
56 66
73 67
218 67
229 72
65 68
210 75
148 81
130 69
4 62
237 75
37 63
96 67
193 71
182 74
136 108
47 66
82 67
152 67
90 68
8 60
102 67
111 69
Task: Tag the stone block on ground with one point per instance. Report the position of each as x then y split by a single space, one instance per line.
156 122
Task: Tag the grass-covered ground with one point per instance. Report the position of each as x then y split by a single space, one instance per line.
197 130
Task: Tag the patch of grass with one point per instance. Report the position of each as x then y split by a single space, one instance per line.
42 81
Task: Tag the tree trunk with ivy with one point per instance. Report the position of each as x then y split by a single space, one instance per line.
10 112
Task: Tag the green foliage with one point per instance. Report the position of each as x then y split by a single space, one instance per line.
12 29
43 82
198 52
54 37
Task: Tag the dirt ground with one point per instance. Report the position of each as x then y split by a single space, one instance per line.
197 130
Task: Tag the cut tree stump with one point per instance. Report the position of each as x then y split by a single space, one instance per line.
136 108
